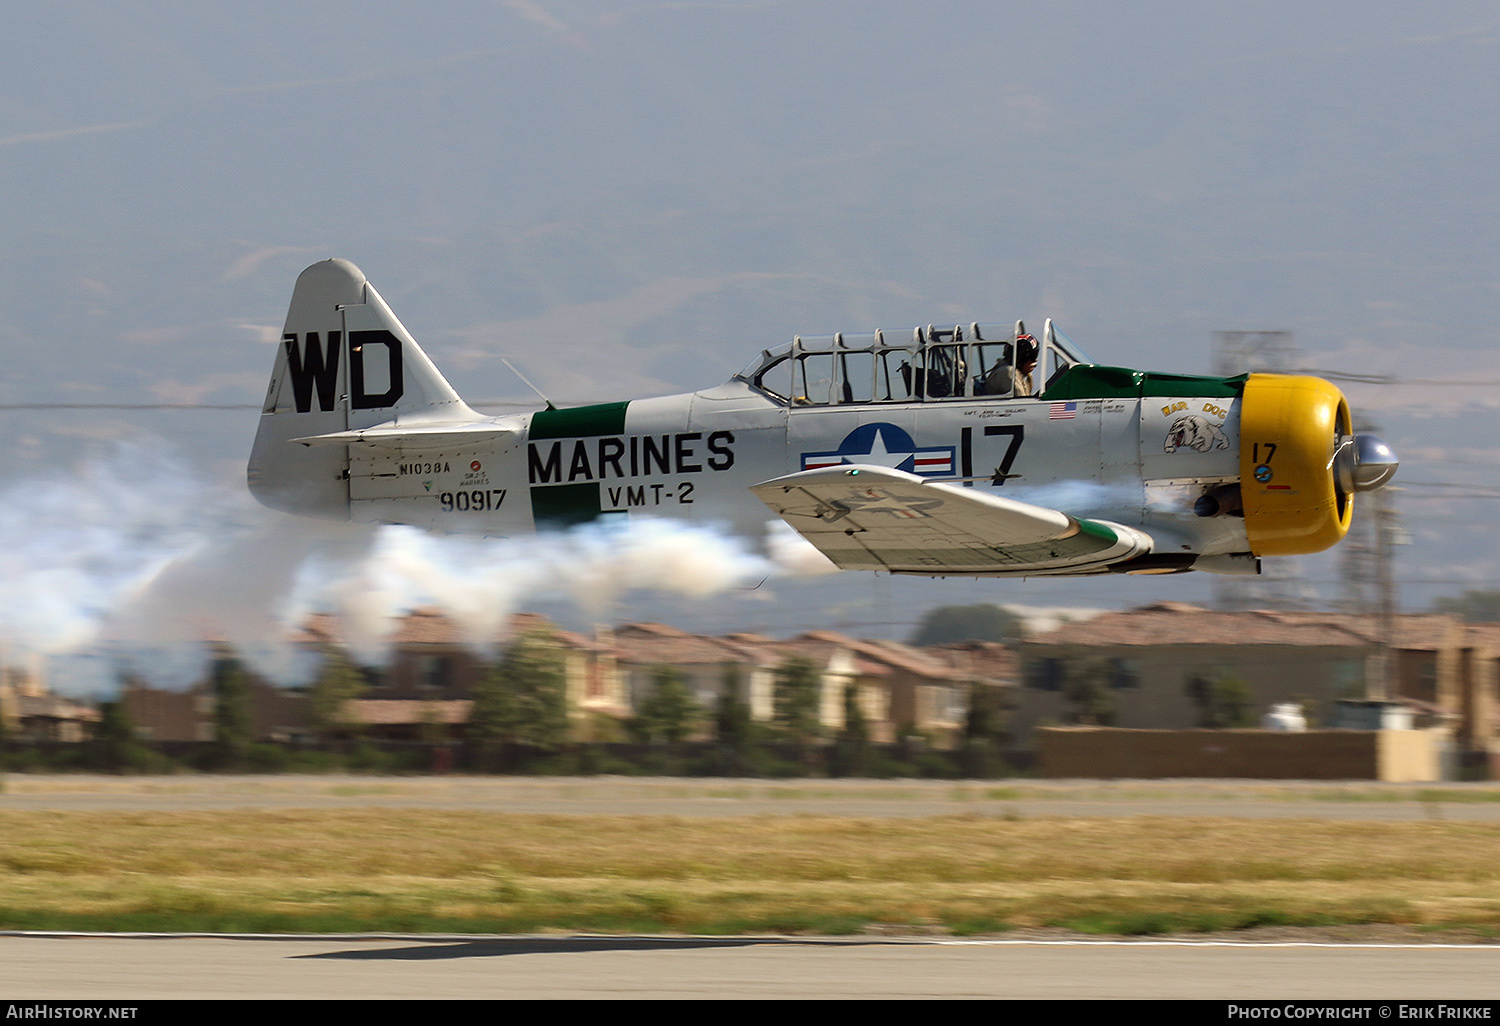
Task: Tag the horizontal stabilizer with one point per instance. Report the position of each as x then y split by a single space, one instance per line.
430 436
875 518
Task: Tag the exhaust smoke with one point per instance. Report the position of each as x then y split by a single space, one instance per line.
137 553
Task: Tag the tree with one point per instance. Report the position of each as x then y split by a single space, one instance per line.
851 755
430 726
117 748
1086 688
734 729
1223 700
234 725
670 713
985 719
1472 606
338 682
856 728
492 717
732 720
983 622
795 699
984 732
524 699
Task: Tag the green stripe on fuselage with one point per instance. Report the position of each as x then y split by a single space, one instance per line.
563 506
1091 382
580 421
559 506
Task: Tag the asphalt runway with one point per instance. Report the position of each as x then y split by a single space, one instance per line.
584 796
121 968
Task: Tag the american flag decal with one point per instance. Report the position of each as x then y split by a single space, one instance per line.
1062 411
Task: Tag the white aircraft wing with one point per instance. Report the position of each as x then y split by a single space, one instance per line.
875 518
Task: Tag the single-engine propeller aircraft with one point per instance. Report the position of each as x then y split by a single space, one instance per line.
970 449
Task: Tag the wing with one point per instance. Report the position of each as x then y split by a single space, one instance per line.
874 518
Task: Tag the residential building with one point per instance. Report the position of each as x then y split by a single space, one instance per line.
424 687
1155 653
158 714
29 709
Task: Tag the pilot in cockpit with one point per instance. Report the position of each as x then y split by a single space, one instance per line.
1013 375
1025 360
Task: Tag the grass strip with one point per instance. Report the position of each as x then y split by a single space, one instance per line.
431 871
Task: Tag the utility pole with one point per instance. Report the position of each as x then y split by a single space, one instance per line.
1368 578
1239 352
1379 680
1358 588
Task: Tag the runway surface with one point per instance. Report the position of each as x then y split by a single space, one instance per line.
79 968
584 796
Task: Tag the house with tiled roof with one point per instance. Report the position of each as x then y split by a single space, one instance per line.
899 687
895 685
427 681
30 709
704 661
640 648
1156 651
1479 693
984 664
993 662
162 714
424 685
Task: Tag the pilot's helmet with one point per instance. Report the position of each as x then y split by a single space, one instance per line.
1025 350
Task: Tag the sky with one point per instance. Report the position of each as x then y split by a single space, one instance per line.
633 198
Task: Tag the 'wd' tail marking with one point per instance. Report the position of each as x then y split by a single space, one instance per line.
310 366
358 340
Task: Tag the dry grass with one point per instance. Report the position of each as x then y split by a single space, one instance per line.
417 870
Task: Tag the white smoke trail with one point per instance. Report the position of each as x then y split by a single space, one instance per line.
138 550
78 545
1079 497
793 554
480 582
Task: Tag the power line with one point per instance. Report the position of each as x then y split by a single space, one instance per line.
198 406
1477 491
128 406
1389 379
1436 484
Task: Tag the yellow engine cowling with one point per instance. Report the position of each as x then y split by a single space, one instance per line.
1290 426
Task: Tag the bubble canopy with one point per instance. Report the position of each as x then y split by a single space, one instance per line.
922 364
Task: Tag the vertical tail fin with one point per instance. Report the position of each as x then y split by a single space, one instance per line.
345 362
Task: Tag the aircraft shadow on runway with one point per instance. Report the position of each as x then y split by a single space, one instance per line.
549 945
